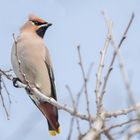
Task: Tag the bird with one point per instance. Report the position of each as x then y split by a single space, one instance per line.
32 65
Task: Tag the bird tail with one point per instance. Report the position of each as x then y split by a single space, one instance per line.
51 114
52 131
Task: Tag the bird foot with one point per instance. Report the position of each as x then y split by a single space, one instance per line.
15 82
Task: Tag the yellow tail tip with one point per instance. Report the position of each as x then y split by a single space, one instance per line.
59 130
53 132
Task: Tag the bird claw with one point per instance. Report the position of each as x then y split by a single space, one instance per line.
15 82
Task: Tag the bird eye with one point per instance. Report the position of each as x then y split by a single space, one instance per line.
36 23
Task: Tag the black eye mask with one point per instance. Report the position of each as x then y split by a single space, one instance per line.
37 23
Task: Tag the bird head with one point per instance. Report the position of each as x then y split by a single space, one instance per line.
37 25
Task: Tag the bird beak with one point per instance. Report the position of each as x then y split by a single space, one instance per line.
42 28
46 25
49 24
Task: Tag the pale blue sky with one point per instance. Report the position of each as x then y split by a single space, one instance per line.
75 22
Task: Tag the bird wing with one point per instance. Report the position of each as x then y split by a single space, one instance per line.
53 116
51 74
49 111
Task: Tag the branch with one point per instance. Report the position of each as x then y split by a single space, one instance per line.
134 131
59 106
71 128
101 114
125 33
2 85
50 100
122 66
19 62
108 135
94 133
8 76
123 111
100 68
7 91
75 106
85 82
120 124
82 88
115 53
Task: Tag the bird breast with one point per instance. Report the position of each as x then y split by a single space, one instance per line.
28 60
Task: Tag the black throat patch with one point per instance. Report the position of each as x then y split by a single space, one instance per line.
41 31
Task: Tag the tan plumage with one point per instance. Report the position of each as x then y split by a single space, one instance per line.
35 63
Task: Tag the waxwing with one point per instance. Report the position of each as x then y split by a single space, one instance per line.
32 65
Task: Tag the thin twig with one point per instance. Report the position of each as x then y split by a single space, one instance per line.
108 135
120 124
133 132
122 132
8 93
8 76
85 82
125 33
3 104
71 128
100 68
115 53
19 62
78 127
124 73
71 96
75 106
123 111
2 98
82 88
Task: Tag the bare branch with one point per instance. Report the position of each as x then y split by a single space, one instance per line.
121 124
8 76
123 111
85 82
135 130
94 133
82 88
78 127
2 98
115 53
100 68
3 104
108 135
122 65
71 96
71 128
19 62
6 89
60 106
101 114
125 32
52 101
